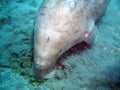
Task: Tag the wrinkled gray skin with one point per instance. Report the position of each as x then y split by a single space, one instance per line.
59 25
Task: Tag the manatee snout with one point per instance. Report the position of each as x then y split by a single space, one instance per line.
41 69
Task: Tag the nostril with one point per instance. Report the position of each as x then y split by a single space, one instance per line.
39 67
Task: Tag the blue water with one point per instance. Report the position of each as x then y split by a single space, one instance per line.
95 68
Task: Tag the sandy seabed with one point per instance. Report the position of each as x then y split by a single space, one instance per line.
95 68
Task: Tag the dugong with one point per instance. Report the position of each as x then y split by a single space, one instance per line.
59 25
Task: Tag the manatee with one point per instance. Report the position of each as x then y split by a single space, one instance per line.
59 25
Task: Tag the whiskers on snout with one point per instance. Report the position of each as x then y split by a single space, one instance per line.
43 71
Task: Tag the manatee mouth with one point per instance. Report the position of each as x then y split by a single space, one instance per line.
39 72
42 72
44 76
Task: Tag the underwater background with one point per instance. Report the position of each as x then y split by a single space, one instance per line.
94 68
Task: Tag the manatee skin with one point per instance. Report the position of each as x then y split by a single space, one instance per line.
59 25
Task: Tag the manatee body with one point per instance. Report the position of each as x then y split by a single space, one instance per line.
59 25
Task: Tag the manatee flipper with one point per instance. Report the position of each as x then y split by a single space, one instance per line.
89 39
